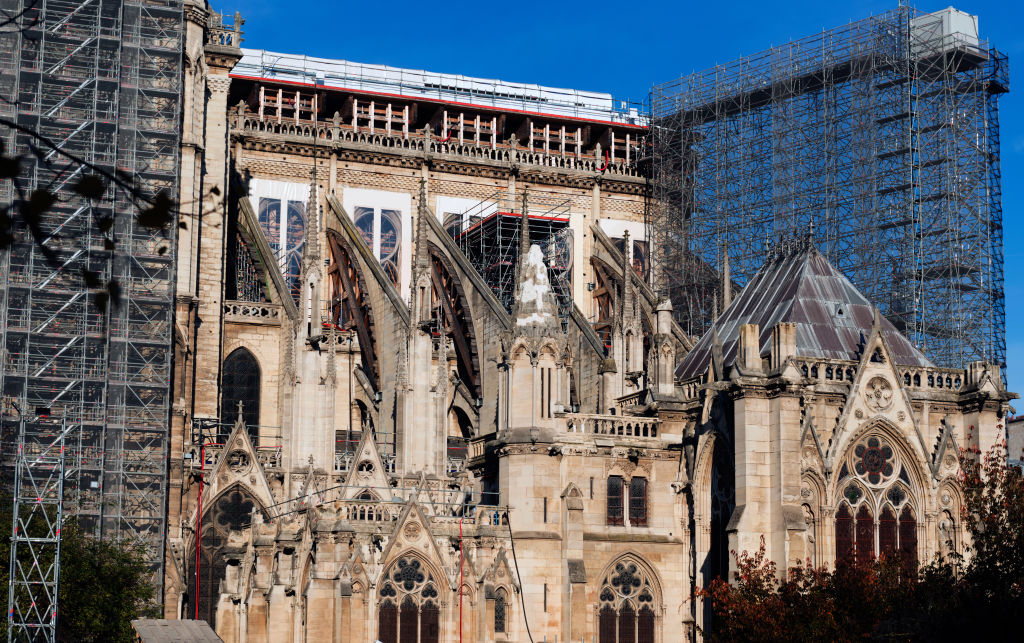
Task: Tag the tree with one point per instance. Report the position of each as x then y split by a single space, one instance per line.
104 585
975 594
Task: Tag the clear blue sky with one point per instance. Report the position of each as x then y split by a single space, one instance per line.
624 48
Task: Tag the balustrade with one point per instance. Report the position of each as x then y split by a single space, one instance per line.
613 425
337 131
252 313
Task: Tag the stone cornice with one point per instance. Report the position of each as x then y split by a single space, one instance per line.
413 157
222 56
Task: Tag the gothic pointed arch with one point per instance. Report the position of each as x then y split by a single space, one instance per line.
349 304
240 383
229 512
452 315
877 493
629 602
409 601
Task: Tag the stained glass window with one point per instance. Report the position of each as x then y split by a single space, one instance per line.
887 532
865 532
284 223
844 534
615 500
638 502
881 483
240 382
627 596
499 611
230 512
908 534
409 611
381 230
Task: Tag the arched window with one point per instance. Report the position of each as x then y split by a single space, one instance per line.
240 382
874 481
627 608
231 511
500 612
409 609
908 534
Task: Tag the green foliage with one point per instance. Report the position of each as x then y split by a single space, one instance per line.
963 597
103 585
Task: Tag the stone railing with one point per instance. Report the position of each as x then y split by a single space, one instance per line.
345 460
826 371
219 32
691 388
253 313
629 400
456 465
947 379
368 510
612 425
338 132
268 457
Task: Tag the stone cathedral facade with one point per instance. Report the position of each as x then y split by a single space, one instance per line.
426 392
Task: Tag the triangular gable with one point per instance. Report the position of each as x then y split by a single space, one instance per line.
877 392
946 444
367 470
238 464
500 572
412 533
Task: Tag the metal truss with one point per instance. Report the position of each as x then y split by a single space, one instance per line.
880 138
36 520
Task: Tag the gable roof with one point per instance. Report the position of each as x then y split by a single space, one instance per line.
797 284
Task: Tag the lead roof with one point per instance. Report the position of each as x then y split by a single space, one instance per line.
798 284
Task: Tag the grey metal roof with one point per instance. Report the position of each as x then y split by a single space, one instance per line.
153 630
798 284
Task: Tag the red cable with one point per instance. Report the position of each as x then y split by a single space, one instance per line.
605 166
199 518
460 580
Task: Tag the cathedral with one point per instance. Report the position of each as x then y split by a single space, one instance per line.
426 389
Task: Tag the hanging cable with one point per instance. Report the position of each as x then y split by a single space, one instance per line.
522 593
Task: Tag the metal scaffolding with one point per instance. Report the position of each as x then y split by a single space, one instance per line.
488 234
101 79
880 138
37 517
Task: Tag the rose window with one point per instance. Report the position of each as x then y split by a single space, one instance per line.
876 514
873 460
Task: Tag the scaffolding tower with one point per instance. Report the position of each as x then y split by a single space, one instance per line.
488 235
101 80
879 138
37 516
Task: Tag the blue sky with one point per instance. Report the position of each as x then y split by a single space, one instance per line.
624 48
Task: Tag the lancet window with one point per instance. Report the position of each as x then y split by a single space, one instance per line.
875 513
626 613
206 567
240 382
409 608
